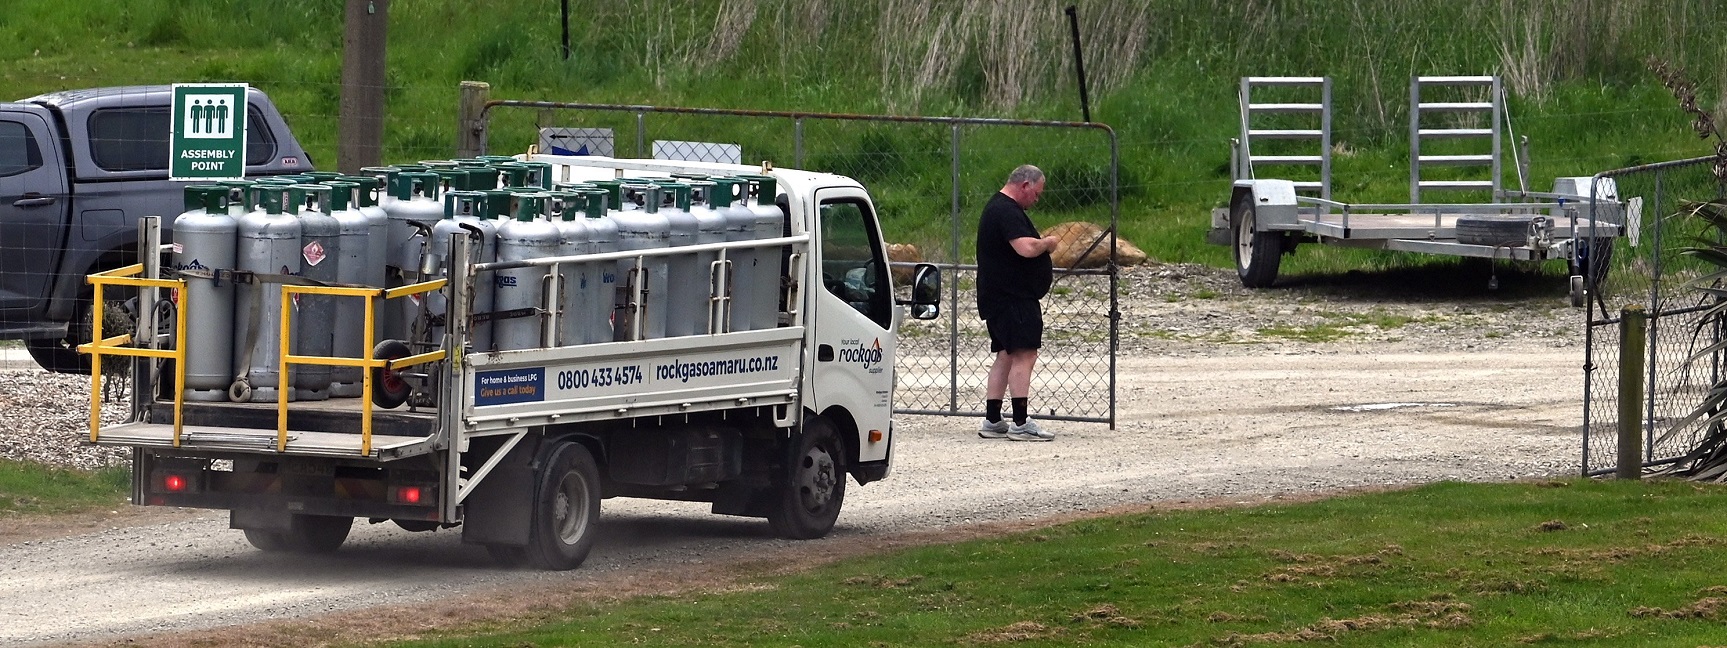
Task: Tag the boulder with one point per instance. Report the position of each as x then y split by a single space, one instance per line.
1077 236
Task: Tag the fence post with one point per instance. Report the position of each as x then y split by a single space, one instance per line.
1632 326
470 129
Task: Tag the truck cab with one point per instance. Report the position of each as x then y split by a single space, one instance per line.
78 168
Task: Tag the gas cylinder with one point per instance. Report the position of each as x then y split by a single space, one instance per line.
314 325
528 236
565 210
602 287
354 265
204 240
417 200
641 311
268 243
768 222
687 298
463 208
739 223
711 228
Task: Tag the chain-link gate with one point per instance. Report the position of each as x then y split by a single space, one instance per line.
918 170
1646 270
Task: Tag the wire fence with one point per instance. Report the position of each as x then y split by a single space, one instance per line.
1646 270
929 177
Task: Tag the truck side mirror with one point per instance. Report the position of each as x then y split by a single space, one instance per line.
925 292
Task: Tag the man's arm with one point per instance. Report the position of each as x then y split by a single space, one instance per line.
1030 247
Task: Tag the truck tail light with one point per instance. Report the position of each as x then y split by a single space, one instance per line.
413 494
176 482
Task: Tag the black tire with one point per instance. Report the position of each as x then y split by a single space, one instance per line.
60 355
812 489
389 390
508 556
1257 254
1595 259
1493 230
306 534
416 526
566 510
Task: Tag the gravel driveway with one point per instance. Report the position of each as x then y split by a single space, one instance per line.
1223 399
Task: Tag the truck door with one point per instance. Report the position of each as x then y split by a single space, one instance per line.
32 203
853 316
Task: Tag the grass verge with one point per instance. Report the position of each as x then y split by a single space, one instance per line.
1566 563
31 488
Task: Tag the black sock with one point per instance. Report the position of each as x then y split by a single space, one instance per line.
992 410
1019 411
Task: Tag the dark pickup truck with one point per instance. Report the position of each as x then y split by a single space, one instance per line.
77 170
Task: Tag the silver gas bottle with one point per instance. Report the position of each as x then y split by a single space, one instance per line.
463 208
354 266
642 281
745 287
367 192
314 325
268 244
204 241
769 222
615 201
520 297
602 284
687 297
565 210
417 201
711 228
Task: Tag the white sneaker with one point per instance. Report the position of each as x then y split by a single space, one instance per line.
996 430
1029 432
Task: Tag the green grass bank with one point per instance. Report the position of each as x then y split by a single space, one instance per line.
1163 73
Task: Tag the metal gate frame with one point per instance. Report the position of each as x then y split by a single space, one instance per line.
476 111
1653 279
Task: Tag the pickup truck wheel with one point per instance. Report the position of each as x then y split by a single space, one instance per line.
389 390
814 486
1257 253
566 510
53 355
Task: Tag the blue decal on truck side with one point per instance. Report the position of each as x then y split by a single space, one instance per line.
509 386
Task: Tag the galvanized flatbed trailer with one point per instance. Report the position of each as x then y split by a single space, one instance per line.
1268 217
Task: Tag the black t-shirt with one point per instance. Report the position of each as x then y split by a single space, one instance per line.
1002 274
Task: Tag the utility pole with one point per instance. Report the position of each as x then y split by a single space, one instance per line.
360 130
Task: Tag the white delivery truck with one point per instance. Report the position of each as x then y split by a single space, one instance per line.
760 392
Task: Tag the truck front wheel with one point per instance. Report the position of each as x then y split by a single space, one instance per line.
566 512
813 487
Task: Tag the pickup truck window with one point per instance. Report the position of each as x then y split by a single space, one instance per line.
136 139
850 267
18 150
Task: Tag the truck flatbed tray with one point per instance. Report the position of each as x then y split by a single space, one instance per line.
262 441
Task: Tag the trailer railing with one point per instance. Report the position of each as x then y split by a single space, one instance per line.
118 345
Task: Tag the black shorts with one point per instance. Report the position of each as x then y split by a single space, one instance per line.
1015 326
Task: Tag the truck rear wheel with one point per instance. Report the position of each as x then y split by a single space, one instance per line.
814 485
1257 253
310 534
566 512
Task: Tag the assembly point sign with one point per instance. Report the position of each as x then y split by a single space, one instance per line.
209 133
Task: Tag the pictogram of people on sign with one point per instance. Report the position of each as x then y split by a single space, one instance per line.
208 117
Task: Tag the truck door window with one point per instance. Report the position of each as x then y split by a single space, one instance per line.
136 139
18 150
851 269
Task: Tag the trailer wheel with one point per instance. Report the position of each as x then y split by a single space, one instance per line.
566 510
1257 254
389 390
308 534
814 487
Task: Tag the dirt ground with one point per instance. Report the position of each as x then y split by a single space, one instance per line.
1223 402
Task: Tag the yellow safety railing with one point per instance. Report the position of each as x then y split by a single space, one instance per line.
100 346
367 362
